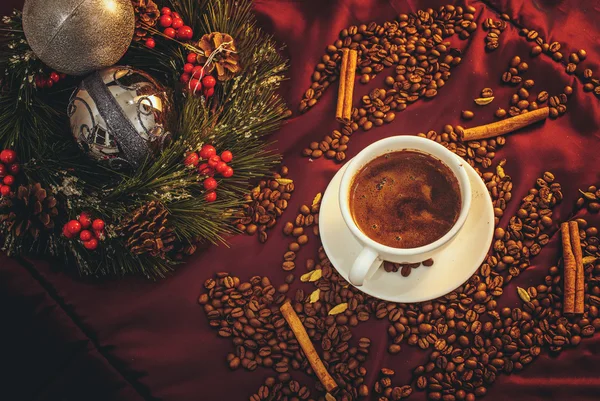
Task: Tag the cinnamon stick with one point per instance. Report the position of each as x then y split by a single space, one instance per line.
343 111
505 126
350 77
339 110
579 272
299 331
569 270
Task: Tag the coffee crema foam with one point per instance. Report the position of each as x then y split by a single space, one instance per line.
405 199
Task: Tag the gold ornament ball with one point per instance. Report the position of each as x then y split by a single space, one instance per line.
76 37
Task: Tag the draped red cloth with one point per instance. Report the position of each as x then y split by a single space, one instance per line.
67 338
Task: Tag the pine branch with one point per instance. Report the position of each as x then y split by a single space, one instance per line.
239 115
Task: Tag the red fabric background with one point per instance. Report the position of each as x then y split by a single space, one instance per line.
65 338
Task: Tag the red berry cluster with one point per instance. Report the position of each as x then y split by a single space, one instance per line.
47 81
195 80
212 164
174 27
9 168
81 228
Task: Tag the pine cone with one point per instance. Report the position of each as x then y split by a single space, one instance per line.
30 209
146 15
227 61
146 230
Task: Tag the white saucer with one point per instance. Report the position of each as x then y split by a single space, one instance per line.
452 266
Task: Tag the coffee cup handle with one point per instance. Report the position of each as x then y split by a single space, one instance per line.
365 263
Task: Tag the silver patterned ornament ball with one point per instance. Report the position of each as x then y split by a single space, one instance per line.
120 117
76 37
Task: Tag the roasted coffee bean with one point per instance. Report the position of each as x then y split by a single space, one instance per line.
542 96
394 349
364 342
487 92
557 56
288 265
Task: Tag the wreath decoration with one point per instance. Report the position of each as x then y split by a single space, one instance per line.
127 168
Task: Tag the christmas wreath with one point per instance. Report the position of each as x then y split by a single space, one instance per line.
129 135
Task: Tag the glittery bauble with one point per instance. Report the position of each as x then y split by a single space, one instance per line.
76 37
120 116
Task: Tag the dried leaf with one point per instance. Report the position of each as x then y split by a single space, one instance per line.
317 199
482 101
500 171
284 181
314 297
339 309
523 294
306 277
316 274
587 260
588 195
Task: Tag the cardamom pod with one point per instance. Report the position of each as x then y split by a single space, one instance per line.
314 296
284 181
588 195
482 101
336 310
317 199
523 294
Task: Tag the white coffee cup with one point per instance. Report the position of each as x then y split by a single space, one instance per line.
373 253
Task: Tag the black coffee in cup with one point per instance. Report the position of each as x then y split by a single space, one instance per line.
405 199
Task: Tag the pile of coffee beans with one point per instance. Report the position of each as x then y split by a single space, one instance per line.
523 101
413 40
414 44
248 314
499 185
471 341
512 339
494 30
515 68
571 63
551 328
590 199
384 387
265 204
307 217
591 83
553 50
527 230
281 390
